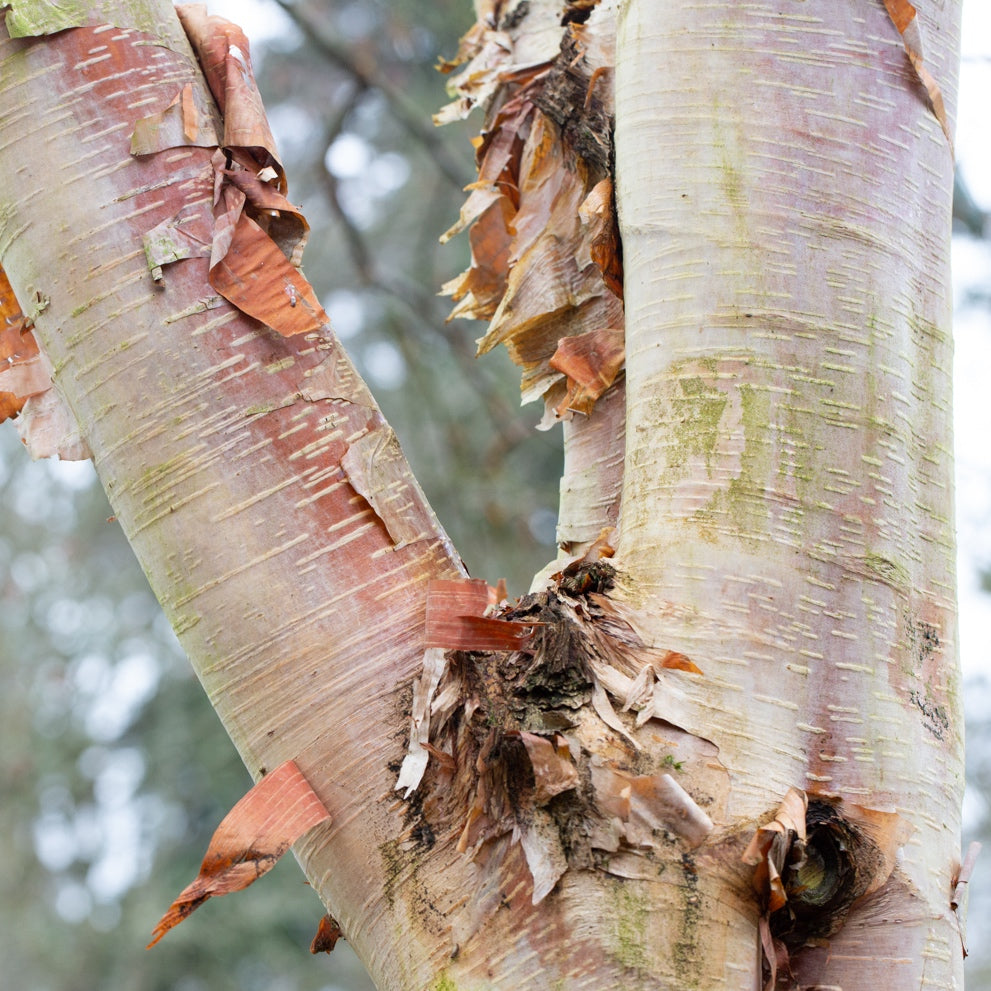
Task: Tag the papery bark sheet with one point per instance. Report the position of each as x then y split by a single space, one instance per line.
904 17
252 234
250 840
545 262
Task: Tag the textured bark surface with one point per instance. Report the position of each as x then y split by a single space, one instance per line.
776 624
787 505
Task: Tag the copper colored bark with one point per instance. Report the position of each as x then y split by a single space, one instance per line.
252 234
22 373
903 15
545 251
250 840
457 619
327 935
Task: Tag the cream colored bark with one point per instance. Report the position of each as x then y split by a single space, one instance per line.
232 456
784 195
782 610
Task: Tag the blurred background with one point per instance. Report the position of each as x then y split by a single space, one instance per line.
114 770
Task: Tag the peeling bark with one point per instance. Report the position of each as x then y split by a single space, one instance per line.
719 745
791 527
546 265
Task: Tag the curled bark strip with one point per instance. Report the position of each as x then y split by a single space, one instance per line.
328 933
415 762
225 56
188 120
252 234
456 620
554 769
250 840
644 803
591 362
48 428
963 875
21 371
903 16
958 899
28 20
43 419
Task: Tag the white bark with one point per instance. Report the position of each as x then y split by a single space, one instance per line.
784 195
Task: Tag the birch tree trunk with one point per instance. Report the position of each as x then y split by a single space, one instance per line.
788 512
771 650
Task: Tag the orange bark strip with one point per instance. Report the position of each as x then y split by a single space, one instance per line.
767 851
15 340
257 236
328 933
455 619
790 818
225 56
190 115
23 373
251 838
902 13
16 343
45 424
676 661
598 216
259 280
10 405
591 361
17 347
903 16
492 633
447 601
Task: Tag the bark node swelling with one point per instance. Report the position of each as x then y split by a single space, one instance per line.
591 825
784 193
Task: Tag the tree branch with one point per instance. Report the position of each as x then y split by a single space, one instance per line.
408 117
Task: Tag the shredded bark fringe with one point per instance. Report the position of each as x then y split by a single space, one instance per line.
502 735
